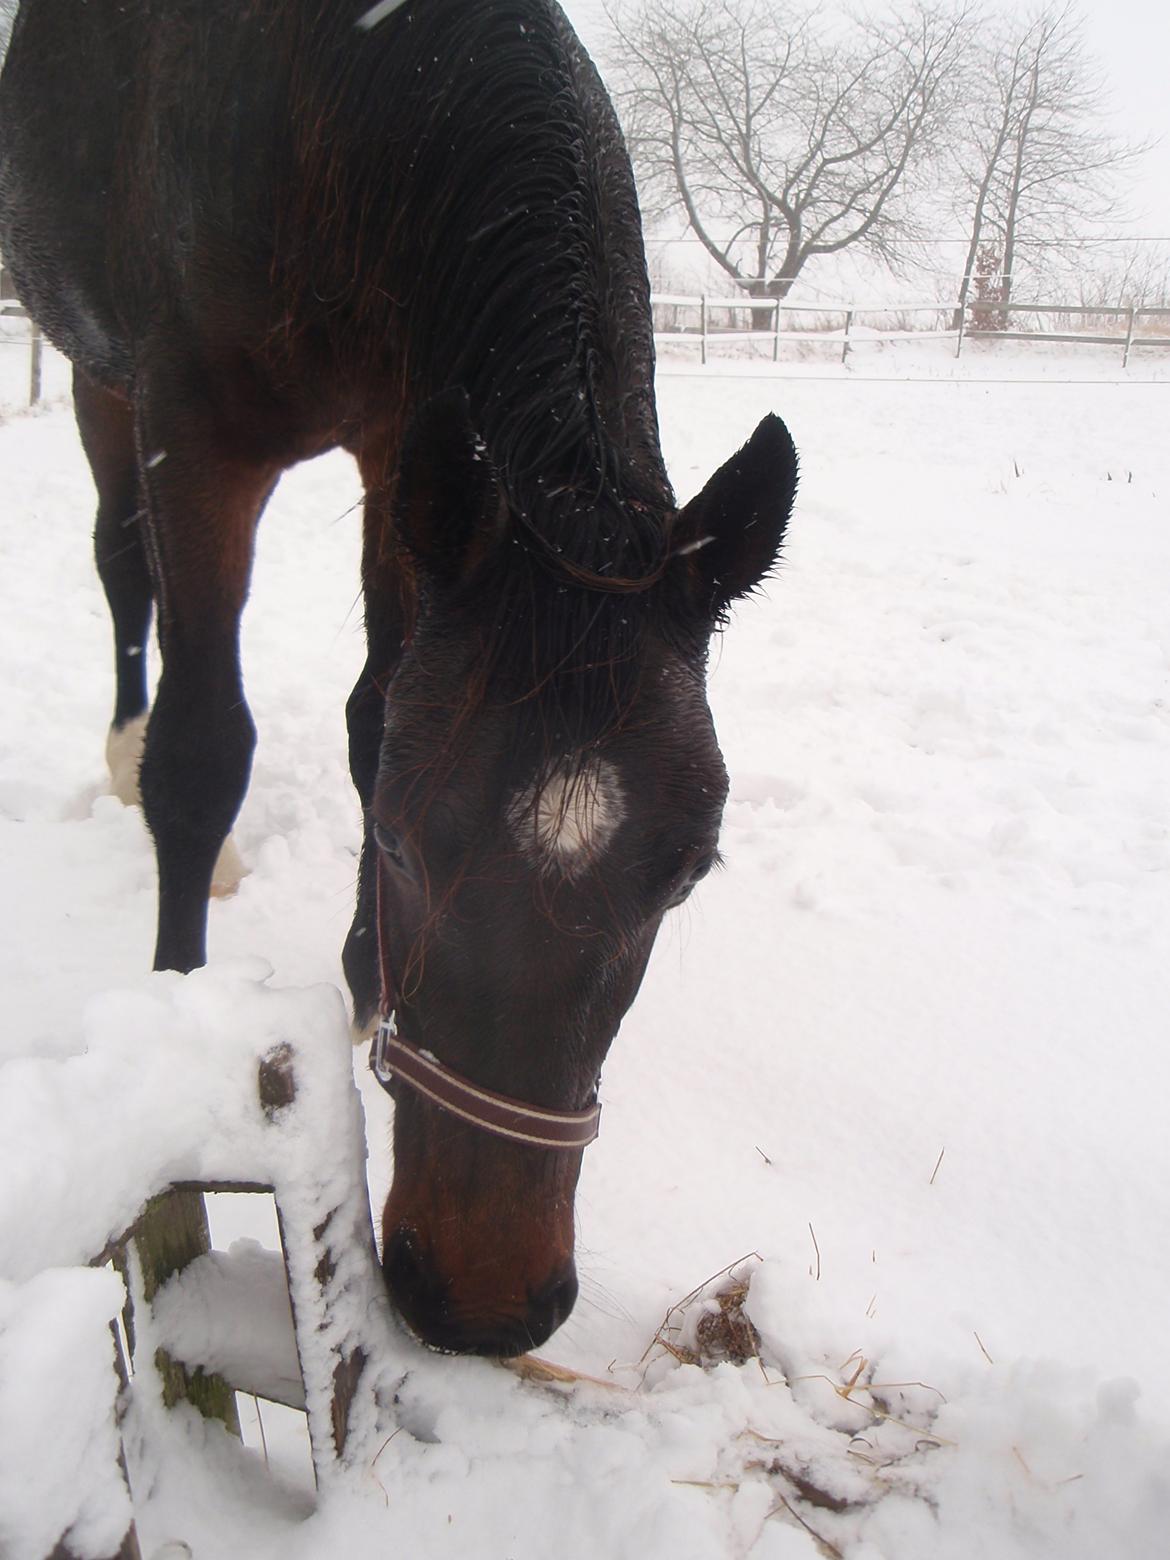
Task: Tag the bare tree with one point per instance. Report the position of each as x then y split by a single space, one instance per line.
778 139
1036 161
1133 276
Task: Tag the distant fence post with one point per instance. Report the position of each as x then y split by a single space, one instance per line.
848 328
703 328
36 348
1128 336
776 337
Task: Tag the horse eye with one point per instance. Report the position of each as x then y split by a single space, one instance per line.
685 889
389 844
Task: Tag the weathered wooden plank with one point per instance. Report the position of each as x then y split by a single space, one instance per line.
172 1232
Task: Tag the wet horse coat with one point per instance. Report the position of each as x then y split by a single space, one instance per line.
264 228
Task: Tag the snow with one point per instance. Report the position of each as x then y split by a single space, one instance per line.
229 1313
909 1046
58 1446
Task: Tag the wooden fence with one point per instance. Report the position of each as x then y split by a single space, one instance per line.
1127 338
308 1327
695 321
12 309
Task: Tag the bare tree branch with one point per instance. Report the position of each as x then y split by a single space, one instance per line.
799 142
1034 162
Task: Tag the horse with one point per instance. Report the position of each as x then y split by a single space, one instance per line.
261 229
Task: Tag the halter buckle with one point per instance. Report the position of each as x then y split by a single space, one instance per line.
379 1065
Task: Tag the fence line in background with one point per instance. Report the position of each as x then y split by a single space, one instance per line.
982 320
12 309
978 321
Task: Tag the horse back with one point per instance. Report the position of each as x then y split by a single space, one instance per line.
328 218
136 168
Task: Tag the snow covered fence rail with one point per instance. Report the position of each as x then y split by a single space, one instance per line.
776 332
214 1082
690 320
989 311
11 308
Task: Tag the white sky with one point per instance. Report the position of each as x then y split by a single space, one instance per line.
1132 41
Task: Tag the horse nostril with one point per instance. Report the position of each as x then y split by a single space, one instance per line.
552 1304
424 1302
402 1264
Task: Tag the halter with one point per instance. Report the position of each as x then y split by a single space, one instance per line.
392 1058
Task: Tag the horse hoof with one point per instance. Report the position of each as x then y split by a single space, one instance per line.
124 759
229 871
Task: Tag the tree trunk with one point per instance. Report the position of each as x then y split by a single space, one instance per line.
762 319
976 237
777 287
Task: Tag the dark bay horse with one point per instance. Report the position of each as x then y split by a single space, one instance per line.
264 228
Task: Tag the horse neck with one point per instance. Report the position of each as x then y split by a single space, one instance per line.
491 235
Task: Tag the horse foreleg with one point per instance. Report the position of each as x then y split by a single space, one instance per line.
106 424
201 508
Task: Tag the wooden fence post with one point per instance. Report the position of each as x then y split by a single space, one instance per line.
776 338
703 328
171 1234
36 346
1128 336
848 328
329 1434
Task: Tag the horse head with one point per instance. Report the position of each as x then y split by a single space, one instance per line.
550 787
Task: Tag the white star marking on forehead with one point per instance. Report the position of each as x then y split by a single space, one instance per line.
572 818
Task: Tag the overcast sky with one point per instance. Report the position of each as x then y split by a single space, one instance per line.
1131 39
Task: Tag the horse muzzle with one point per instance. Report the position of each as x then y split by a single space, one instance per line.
478 1230
429 1306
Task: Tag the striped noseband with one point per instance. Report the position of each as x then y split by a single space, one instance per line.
393 1060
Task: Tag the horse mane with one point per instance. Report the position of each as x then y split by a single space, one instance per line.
475 157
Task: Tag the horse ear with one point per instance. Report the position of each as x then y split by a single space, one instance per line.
447 508
730 534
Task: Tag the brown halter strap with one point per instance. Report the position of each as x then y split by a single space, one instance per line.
391 1058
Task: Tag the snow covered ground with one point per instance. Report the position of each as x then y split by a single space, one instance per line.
910 1047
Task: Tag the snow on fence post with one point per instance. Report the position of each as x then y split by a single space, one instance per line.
266 1104
848 328
322 1268
328 1406
129 1549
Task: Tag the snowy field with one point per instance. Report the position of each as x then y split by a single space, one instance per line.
909 1047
